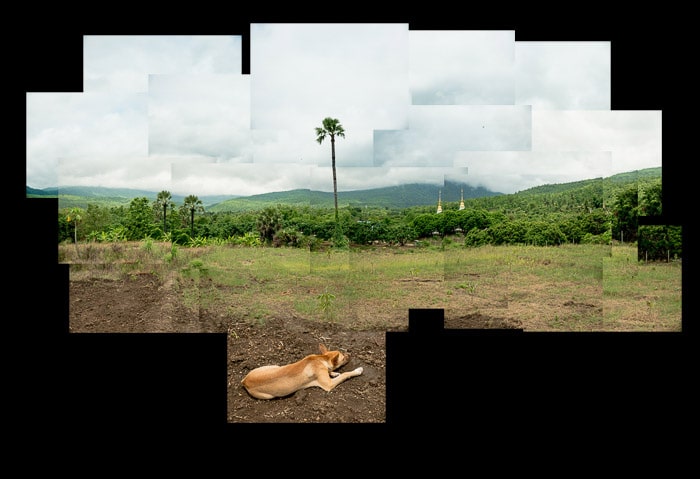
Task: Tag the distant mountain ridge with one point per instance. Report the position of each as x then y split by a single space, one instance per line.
105 195
402 196
48 192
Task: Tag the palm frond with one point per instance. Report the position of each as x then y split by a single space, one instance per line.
332 128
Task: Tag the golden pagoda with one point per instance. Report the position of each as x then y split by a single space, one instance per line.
461 202
439 208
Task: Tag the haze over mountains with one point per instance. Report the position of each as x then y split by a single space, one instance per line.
403 196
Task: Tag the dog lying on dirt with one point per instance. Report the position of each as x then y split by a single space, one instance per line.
267 382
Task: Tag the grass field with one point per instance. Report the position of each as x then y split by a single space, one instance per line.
564 288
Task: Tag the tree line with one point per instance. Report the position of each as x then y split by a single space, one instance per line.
576 216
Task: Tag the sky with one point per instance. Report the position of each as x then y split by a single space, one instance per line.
175 112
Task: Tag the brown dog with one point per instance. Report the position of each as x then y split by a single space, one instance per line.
267 382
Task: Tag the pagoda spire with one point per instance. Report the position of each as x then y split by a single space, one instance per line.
461 201
439 208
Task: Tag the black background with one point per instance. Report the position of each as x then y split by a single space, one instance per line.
80 390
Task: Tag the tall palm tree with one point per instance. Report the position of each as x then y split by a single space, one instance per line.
331 128
164 200
192 204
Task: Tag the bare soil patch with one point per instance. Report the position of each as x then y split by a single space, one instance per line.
146 303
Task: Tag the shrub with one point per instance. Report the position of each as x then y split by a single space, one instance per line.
250 239
312 243
477 237
286 237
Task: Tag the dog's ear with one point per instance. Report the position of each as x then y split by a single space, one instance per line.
322 348
334 357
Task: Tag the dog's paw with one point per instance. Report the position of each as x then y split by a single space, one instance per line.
358 371
334 374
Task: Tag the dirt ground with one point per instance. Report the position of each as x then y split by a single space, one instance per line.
146 304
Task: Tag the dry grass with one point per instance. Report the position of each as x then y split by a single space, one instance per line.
566 288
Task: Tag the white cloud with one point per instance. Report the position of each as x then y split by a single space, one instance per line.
355 72
437 132
633 137
140 172
200 114
513 171
175 112
303 73
462 67
563 75
124 62
241 179
360 178
87 131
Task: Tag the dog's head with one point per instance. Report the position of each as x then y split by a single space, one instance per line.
336 358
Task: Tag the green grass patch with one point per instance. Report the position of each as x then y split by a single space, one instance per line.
561 288
648 295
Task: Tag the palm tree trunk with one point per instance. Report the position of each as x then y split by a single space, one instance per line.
335 183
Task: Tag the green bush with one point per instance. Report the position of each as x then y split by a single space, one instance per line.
249 239
286 237
477 237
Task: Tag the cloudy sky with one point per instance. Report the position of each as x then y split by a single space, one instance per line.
175 112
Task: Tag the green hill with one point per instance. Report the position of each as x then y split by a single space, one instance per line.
393 197
81 196
620 178
45 193
561 197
